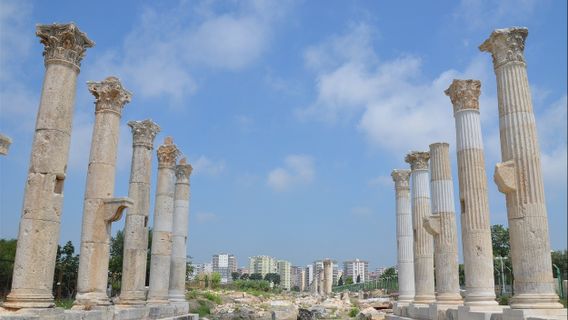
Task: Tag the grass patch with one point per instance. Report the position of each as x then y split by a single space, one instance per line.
64 303
353 312
212 297
192 294
203 309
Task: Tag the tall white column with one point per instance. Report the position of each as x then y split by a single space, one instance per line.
327 276
132 290
100 208
474 205
423 242
401 178
519 176
38 236
442 226
163 224
179 235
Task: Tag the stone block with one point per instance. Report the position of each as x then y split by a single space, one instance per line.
480 312
535 314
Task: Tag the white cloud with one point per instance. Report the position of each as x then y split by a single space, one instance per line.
206 166
204 217
479 14
298 169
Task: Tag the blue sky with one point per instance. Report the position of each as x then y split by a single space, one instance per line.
293 113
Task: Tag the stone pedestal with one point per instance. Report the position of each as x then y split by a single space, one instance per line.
163 220
442 226
423 242
38 235
5 143
100 209
474 205
132 290
327 277
519 176
404 240
180 225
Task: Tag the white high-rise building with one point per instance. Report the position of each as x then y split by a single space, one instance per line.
225 264
262 265
284 270
309 274
356 269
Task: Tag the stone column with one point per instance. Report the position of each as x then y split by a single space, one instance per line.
442 226
327 276
100 209
303 280
404 241
132 290
321 283
5 143
163 221
519 176
32 282
423 242
179 234
474 205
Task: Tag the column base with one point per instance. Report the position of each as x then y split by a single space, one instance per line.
17 300
418 311
132 298
533 314
535 301
482 299
400 308
85 301
438 310
469 312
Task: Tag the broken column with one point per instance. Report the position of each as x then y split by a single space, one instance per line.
474 205
401 178
163 220
179 234
327 276
132 290
100 208
38 236
519 176
442 226
423 242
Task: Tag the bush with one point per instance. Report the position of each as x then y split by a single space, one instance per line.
203 309
212 297
64 303
354 312
504 300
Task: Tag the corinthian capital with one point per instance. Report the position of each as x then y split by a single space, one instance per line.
109 95
418 160
401 178
183 170
167 153
64 43
464 94
144 132
506 45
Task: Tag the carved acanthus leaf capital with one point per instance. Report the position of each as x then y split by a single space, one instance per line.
63 43
506 45
5 143
183 170
418 160
144 132
168 153
401 178
464 94
109 94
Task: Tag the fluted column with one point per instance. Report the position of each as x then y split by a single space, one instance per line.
474 205
100 209
136 225
519 176
423 242
163 223
179 234
327 276
38 236
442 226
401 178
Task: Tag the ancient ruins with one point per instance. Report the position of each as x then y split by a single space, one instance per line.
426 228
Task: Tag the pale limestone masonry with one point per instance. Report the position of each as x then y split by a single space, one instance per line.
327 277
136 225
163 220
442 226
519 175
100 208
34 265
179 234
401 178
5 143
475 224
423 242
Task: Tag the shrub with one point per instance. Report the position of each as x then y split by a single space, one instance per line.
354 312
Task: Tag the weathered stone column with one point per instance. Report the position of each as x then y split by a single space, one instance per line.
32 282
519 176
163 223
475 224
423 242
100 209
401 178
327 276
136 225
442 226
5 143
321 283
302 280
179 235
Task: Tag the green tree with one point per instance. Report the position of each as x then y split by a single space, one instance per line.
272 277
388 273
215 279
115 262
340 281
148 256
244 276
560 259
7 256
66 270
235 275
358 278
255 276
349 280
500 240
